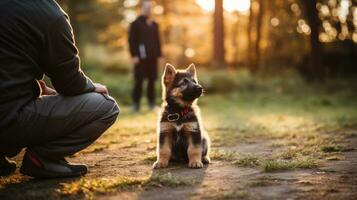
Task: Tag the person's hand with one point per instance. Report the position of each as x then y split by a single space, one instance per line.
136 60
99 88
160 61
46 90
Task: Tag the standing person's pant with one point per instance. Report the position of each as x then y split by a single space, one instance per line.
145 70
150 91
58 126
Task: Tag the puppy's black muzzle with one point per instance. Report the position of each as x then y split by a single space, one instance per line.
193 93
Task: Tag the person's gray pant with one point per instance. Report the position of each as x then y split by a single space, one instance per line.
58 126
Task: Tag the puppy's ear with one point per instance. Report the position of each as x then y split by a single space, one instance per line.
192 70
169 74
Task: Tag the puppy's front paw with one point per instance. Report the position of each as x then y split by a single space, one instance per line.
160 164
195 164
206 160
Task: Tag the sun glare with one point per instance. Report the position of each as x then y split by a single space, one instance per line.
229 5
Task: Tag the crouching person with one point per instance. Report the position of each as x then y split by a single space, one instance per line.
36 39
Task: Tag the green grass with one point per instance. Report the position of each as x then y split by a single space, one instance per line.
224 155
304 123
264 181
240 108
169 180
10 180
303 119
331 148
271 165
248 161
235 194
90 187
334 157
289 154
276 163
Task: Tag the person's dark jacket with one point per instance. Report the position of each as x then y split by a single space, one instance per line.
144 39
36 39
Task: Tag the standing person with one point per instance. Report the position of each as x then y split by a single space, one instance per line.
36 38
145 49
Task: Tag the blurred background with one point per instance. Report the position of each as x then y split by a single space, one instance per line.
237 45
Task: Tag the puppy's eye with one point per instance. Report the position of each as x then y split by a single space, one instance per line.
183 82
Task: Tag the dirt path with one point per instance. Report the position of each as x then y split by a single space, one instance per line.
219 180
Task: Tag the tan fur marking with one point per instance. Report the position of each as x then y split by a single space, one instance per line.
166 127
183 103
194 153
176 92
190 127
164 151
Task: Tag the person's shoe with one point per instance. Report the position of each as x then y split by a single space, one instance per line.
152 106
136 107
7 167
35 166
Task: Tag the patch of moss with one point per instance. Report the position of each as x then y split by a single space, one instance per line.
169 180
331 148
223 155
89 187
248 161
288 154
334 157
10 180
236 194
271 165
264 181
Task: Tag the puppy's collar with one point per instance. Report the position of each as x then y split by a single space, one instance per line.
178 115
173 117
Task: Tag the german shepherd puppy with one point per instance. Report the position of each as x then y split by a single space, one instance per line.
181 136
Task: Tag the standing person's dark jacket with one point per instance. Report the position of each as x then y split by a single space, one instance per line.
144 39
38 42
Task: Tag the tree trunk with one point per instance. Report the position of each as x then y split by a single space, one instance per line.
250 36
315 45
235 40
260 16
218 43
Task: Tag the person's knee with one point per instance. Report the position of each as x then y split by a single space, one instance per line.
101 107
110 109
113 111
106 114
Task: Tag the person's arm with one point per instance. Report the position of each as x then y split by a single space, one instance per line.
60 60
133 42
158 39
